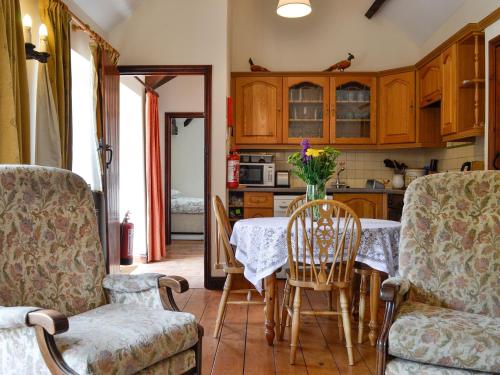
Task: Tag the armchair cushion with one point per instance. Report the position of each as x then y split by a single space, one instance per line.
131 283
119 339
15 317
398 366
178 364
444 337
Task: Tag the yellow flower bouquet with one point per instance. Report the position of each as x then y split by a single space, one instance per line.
313 166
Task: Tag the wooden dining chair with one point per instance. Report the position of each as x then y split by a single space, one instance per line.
294 204
333 248
232 268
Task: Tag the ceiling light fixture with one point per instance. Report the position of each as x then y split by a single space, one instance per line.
293 8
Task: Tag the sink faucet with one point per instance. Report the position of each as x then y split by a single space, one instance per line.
337 182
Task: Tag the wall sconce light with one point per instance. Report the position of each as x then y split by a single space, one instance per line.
31 53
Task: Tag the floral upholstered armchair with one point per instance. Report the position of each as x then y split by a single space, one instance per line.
443 312
59 312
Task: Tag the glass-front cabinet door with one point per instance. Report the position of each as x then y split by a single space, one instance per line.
353 112
306 111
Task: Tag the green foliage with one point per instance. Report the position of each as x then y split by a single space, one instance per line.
314 170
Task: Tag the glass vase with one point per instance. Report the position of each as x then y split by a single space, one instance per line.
313 193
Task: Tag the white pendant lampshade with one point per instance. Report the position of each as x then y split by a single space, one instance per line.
293 8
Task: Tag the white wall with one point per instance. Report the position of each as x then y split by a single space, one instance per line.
187 158
182 94
317 41
470 11
178 32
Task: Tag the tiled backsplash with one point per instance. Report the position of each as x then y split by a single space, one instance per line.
363 165
451 159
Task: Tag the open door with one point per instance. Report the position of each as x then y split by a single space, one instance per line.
494 110
109 147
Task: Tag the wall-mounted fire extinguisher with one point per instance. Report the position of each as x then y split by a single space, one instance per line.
233 169
126 241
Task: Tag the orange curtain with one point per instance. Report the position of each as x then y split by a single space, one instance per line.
156 214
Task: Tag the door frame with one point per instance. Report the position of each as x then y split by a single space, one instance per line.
494 95
210 282
169 116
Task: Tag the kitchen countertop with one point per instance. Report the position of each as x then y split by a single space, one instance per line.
329 190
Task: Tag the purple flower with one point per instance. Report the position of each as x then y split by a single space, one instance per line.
305 145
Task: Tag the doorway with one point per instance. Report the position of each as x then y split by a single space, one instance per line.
494 105
184 176
187 239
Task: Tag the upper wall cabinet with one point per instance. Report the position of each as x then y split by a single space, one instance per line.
353 110
306 111
429 79
397 108
449 101
258 110
462 108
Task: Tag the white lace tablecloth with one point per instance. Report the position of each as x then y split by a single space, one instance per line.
261 246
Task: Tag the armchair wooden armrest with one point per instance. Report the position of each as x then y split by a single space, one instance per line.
51 321
390 293
177 283
48 323
168 283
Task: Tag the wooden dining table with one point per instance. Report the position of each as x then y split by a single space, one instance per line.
261 247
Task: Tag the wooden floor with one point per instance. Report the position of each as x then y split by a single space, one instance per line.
183 258
242 348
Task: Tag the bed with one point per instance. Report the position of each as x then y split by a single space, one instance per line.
187 214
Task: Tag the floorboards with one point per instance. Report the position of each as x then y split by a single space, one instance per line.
183 258
242 348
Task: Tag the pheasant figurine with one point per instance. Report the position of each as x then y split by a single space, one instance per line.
341 65
256 68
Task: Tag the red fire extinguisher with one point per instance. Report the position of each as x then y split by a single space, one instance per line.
233 169
126 241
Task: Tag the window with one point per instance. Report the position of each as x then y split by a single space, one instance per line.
132 162
85 155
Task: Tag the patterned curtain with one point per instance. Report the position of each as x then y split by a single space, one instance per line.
58 20
14 97
156 213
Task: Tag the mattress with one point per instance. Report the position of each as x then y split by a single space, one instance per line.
188 223
187 205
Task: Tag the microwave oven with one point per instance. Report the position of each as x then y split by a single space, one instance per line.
257 174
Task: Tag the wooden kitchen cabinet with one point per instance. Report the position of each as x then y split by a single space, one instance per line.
353 110
306 109
251 213
397 108
258 204
462 108
370 205
449 96
430 78
258 115
258 199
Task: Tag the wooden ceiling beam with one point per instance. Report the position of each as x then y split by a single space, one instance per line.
374 8
157 81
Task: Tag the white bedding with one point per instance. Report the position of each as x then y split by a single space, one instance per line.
187 205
